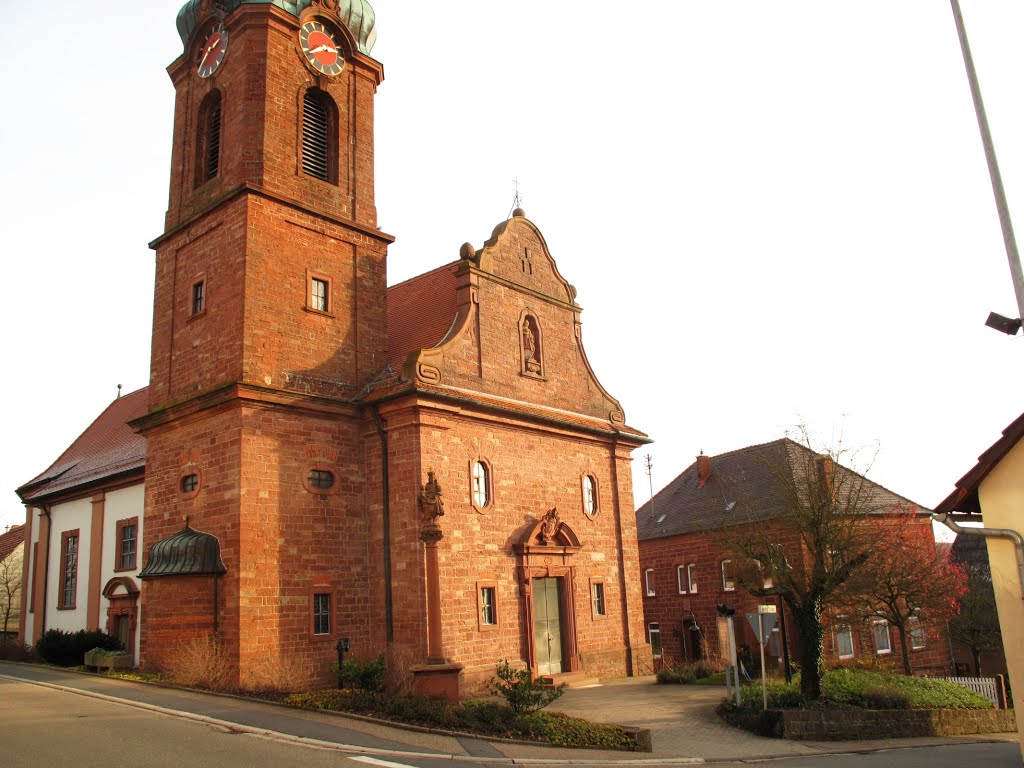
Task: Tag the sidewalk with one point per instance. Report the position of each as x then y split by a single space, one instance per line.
681 718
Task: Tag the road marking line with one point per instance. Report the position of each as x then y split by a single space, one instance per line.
384 763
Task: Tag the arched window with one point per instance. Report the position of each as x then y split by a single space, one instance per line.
589 485
480 490
208 139
318 135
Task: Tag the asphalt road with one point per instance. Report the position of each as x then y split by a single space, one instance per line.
54 724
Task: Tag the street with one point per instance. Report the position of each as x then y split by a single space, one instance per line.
54 718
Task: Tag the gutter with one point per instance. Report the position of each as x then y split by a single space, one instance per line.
948 520
45 510
386 520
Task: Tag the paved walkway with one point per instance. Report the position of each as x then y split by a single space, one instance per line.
682 720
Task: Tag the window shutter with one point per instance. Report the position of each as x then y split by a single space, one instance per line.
314 137
213 141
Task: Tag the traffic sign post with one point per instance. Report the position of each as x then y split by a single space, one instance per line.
762 623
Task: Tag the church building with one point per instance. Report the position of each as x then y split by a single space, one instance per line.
431 469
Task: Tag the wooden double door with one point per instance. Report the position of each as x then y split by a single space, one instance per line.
548 625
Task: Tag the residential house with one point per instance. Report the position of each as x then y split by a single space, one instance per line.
12 551
688 571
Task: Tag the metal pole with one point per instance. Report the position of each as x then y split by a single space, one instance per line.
732 658
1009 241
764 672
785 642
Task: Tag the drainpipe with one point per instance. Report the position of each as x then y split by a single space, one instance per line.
386 519
989 533
45 510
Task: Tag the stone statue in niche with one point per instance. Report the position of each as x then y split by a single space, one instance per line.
431 500
549 526
531 346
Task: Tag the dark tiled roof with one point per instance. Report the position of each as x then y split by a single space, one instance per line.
10 540
747 485
965 497
108 448
420 312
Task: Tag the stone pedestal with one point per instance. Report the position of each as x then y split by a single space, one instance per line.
437 680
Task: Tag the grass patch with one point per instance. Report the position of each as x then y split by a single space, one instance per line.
865 689
487 718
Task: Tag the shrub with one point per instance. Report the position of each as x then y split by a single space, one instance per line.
67 649
286 674
198 662
885 698
368 675
686 672
15 651
522 693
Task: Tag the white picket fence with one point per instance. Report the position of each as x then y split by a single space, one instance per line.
983 686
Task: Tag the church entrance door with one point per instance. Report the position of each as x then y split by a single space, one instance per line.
547 624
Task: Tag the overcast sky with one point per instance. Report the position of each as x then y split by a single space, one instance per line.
773 212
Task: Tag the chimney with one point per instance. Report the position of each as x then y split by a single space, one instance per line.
827 473
703 469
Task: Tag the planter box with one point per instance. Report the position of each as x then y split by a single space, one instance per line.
100 661
849 724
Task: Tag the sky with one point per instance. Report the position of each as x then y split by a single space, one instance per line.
774 213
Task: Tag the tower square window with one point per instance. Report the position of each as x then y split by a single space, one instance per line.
198 297
319 294
321 613
127 544
69 569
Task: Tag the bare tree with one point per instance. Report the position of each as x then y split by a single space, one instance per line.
10 589
811 544
912 583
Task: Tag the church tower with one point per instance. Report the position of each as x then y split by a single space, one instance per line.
269 319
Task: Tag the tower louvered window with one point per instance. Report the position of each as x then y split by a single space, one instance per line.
316 136
208 140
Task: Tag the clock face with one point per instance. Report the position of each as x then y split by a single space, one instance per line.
320 48
212 52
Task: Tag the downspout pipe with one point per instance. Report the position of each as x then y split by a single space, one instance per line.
45 510
989 533
385 483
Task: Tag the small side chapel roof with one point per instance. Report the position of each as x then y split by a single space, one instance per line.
107 448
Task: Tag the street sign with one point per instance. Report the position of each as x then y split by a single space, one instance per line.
767 609
762 625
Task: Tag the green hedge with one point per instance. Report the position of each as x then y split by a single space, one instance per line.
67 649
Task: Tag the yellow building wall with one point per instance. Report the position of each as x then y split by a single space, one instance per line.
1002 505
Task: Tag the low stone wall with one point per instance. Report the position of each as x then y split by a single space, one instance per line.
848 724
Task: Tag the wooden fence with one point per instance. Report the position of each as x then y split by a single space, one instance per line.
992 688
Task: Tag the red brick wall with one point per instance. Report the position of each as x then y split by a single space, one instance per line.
670 609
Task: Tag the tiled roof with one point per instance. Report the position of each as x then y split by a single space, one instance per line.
420 312
746 485
109 447
9 541
965 497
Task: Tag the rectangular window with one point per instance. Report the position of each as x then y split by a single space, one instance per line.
68 569
654 637
597 597
198 297
880 630
682 577
649 582
127 543
844 639
488 617
321 613
691 576
917 633
319 294
728 582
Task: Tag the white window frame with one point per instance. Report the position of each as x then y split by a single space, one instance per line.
691 577
654 628
843 628
875 635
648 585
918 636
728 584
682 580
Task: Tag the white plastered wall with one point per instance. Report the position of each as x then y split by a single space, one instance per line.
121 505
68 517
